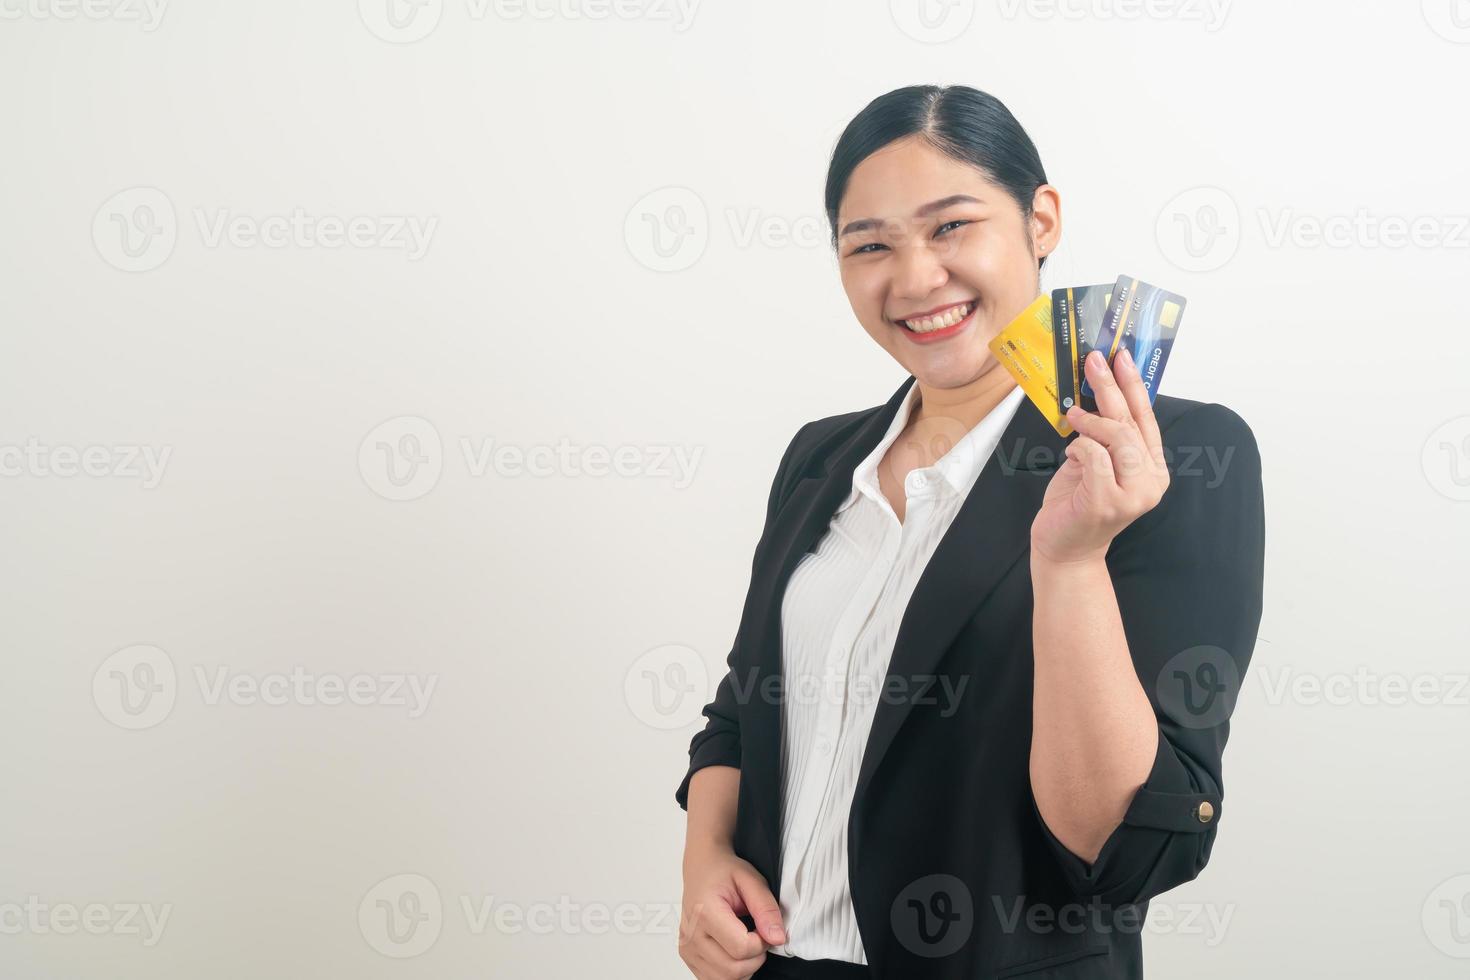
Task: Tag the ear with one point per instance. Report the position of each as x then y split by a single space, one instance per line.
1046 219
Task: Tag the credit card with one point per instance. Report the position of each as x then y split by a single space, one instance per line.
1077 313
1144 319
1026 350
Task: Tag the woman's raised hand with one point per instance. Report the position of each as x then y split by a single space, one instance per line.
1115 469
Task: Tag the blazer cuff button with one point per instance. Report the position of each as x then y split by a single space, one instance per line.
1205 812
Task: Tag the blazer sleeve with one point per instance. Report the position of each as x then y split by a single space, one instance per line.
718 744
1188 577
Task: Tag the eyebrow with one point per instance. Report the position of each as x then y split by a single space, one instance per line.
863 224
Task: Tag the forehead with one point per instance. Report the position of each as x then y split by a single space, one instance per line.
897 180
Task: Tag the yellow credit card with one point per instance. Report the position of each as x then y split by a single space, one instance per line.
1026 350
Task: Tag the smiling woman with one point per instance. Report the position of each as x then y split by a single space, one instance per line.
1060 591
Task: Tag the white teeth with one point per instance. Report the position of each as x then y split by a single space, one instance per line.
946 319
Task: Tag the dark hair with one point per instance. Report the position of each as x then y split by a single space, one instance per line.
963 123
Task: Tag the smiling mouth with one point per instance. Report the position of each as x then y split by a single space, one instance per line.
939 321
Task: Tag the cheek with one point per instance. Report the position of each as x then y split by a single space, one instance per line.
999 265
864 294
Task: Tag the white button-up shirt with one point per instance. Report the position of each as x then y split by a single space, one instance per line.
839 619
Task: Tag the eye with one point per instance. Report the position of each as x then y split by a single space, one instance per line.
863 249
947 224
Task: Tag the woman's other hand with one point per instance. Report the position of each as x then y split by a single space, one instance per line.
719 887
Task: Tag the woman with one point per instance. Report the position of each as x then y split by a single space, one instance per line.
977 701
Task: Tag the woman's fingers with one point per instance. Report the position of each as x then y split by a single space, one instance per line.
1097 465
1136 394
1110 401
1136 451
711 963
730 934
764 910
1131 460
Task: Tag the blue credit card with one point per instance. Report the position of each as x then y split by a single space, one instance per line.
1143 319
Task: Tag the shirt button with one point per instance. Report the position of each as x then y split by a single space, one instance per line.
824 747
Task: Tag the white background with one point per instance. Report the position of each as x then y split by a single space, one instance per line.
567 297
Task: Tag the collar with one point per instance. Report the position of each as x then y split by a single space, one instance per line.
958 468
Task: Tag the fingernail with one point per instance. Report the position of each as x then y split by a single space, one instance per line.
1127 357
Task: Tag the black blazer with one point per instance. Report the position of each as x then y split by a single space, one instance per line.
953 872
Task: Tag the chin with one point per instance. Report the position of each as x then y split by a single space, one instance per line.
952 370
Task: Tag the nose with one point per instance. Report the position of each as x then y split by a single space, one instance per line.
918 273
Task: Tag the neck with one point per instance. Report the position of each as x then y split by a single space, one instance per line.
968 403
